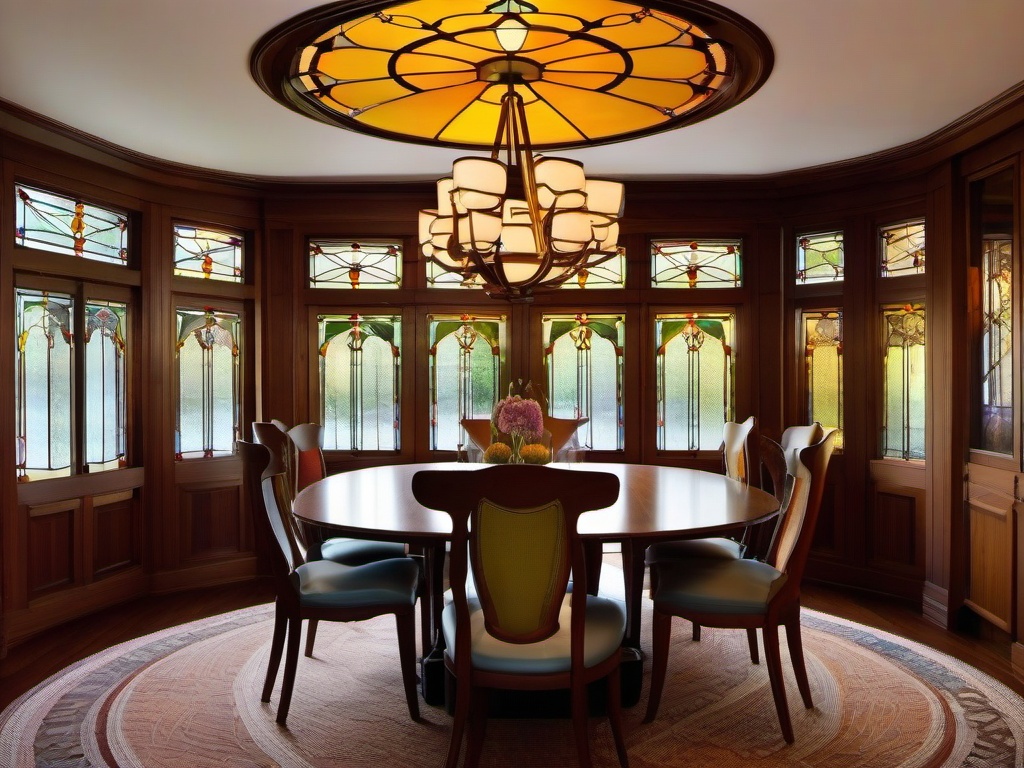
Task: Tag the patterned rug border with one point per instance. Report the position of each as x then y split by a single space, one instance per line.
78 693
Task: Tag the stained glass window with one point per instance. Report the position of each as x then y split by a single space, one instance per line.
208 383
44 391
696 379
696 264
105 384
583 356
904 390
211 254
607 274
823 357
902 249
996 352
71 226
360 378
352 264
466 355
819 258
438 277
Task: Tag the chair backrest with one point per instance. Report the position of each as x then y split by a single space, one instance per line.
268 489
309 463
773 464
798 437
516 525
796 529
740 450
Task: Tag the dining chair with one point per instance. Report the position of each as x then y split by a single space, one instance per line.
309 548
323 589
514 528
749 594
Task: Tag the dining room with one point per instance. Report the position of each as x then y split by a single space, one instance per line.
657 222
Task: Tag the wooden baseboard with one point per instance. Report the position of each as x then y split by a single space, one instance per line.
59 607
207 575
935 604
1017 660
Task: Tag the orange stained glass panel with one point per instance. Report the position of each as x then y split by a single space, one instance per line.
373 33
599 62
668 63
432 59
440 80
567 50
425 114
455 24
589 80
671 96
653 31
354 64
597 114
366 93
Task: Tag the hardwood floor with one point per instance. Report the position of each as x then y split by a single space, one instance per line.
33 661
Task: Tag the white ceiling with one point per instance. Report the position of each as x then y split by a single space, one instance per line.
170 79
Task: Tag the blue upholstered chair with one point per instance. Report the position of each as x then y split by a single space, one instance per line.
520 628
323 589
749 594
297 457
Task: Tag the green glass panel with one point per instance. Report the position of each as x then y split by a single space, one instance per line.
691 263
904 383
351 264
820 258
44 391
208 392
823 349
211 254
902 249
105 384
360 374
68 225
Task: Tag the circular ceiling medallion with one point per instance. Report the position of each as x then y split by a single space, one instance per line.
435 71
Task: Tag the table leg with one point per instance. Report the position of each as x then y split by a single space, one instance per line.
432 669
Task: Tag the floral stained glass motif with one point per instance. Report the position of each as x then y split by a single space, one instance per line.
43 392
696 379
583 356
211 254
360 378
105 384
823 358
696 264
904 386
351 264
902 249
208 383
820 258
467 356
67 225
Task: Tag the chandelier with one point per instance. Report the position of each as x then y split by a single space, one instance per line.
518 79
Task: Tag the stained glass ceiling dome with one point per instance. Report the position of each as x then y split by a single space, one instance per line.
590 72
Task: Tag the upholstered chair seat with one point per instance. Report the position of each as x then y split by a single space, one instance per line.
732 587
605 627
326 583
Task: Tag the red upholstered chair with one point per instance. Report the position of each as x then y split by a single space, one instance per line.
749 594
323 590
520 629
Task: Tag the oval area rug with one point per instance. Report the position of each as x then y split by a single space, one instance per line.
190 696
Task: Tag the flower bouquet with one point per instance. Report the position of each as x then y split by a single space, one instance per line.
522 420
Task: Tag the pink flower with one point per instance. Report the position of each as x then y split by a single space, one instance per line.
520 418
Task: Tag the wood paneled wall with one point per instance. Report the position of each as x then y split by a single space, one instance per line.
74 545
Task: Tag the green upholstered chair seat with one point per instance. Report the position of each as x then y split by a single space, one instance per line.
385 582
605 628
715 548
355 551
716 586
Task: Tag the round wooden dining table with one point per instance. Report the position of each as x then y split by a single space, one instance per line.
655 503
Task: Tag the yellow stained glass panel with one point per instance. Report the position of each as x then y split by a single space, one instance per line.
373 33
650 31
567 50
603 62
589 80
422 63
440 80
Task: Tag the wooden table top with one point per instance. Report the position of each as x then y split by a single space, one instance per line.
654 503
